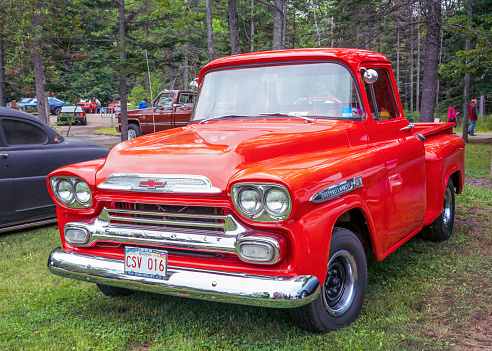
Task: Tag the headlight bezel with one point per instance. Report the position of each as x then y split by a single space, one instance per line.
74 200
264 213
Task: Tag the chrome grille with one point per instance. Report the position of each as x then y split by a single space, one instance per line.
209 219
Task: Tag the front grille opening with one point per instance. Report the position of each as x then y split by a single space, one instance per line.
210 219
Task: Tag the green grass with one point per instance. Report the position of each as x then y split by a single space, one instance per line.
425 296
106 131
477 160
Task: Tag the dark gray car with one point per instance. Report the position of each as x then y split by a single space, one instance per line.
29 150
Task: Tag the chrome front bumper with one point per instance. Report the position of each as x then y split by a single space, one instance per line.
256 290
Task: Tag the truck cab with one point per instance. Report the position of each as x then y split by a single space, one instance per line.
170 109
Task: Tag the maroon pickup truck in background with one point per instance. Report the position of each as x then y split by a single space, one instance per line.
170 109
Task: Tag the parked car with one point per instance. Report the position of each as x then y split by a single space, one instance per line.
74 114
88 106
31 104
114 106
29 150
56 105
170 109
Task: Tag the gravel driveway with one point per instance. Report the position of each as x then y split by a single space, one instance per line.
94 121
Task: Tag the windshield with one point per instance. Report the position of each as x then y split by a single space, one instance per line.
69 109
324 90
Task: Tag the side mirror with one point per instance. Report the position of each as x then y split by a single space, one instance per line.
370 75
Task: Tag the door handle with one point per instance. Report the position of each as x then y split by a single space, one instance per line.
409 127
4 154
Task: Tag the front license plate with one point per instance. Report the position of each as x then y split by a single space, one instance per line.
147 263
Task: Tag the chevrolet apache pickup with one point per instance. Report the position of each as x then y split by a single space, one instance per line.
170 109
293 164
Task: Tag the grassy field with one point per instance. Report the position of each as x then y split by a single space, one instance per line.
425 296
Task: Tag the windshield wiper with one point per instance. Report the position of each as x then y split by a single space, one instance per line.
283 114
223 116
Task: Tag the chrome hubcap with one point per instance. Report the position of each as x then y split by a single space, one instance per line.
131 134
340 284
447 208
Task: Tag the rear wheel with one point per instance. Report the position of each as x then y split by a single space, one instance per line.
343 290
56 111
134 131
114 291
442 227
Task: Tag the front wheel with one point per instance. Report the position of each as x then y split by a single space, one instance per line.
343 290
114 291
134 131
442 227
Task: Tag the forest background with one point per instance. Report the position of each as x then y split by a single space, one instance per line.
441 50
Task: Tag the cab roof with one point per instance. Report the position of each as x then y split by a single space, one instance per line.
351 57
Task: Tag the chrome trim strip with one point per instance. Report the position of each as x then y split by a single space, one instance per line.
161 183
239 288
28 225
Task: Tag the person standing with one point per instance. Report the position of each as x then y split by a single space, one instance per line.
473 116
98 106
452 116
14 105
142 104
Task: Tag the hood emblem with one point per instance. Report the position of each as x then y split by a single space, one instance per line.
152 184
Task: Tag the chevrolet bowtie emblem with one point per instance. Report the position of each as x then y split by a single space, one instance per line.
152 184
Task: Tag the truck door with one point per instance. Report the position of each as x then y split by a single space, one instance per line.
161 114
183 109
404 193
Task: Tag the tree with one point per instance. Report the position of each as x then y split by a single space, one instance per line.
124 116
38 68
210 31
278 25
431 61
233 27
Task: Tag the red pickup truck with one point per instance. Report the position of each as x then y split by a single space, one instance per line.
170 109
294 163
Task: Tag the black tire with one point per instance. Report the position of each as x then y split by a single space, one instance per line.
442 227
114 291
56 110
84 122
134 131
342 292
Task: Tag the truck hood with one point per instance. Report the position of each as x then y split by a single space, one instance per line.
220 149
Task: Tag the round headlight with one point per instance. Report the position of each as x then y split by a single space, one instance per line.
276 201
64 190
83 193
250 200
